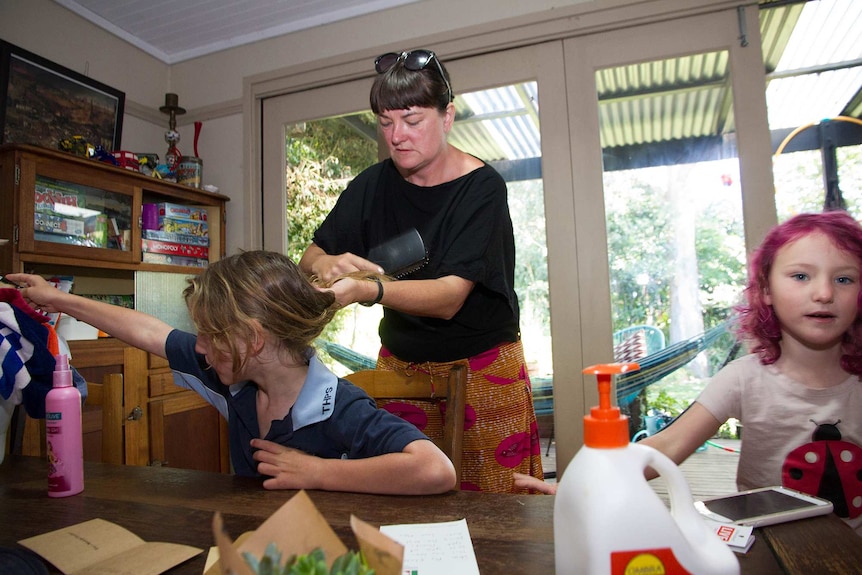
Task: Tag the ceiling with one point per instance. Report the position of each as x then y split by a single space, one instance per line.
177 30
812 57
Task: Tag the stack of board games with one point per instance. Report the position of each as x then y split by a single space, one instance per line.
175 234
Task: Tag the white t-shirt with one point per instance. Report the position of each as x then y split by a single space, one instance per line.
780 415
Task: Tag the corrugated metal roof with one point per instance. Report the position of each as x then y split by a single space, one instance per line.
686 98
667 100
499 124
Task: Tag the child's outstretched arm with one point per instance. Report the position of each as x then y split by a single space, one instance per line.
688 432
133 327
677 441
421 469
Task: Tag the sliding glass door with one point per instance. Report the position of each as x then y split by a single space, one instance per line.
316 141
668 194
596 215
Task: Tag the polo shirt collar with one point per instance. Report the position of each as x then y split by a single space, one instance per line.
316 401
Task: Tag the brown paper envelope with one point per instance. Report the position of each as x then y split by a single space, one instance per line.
296 528
382 553
99 546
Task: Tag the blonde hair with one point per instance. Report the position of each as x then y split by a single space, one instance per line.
357 275
235 295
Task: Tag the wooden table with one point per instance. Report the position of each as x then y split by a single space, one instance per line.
512 534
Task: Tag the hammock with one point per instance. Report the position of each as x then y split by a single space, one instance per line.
653 367
659 364
352 360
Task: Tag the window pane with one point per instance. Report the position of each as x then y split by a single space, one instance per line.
673 210
807 98
322 157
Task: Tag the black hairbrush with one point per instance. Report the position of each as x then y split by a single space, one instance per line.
401 255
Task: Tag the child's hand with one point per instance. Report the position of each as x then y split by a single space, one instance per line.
529 482
288 468
37 292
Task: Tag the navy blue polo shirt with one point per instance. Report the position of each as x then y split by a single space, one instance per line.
331 418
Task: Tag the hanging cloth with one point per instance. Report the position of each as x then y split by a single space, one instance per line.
27 349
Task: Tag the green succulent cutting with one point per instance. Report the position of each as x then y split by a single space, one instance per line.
314 563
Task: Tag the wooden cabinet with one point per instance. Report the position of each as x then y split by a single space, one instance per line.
65 215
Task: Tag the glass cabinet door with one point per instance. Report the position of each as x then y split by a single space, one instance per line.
79 215
69 212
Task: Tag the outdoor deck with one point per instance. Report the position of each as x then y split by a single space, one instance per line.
711 472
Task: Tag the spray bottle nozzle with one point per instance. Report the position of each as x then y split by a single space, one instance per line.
62 374
605 426
61 362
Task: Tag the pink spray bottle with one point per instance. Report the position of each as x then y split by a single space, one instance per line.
64 434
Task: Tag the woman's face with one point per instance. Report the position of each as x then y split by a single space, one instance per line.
415 136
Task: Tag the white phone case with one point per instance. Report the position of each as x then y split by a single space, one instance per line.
764 506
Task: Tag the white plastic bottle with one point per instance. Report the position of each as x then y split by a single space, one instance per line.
607 518
63 433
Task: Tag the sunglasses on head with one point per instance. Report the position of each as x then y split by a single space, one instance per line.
414 61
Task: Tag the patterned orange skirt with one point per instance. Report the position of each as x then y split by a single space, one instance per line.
500 431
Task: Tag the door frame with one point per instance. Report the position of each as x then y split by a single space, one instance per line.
542 63
565 70
586 55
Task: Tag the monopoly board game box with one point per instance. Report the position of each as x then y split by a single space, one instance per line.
173 248
151 258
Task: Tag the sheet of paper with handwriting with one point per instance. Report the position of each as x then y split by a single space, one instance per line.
435 548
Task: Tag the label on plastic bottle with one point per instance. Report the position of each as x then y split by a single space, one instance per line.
646 562
57 478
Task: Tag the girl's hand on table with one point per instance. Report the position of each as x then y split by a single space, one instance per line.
523 481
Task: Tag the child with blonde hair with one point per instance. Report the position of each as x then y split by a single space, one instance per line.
290 419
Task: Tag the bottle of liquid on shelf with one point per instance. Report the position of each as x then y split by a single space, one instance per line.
63 433
607 518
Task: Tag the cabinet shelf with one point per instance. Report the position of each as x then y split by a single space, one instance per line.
66 215
106 201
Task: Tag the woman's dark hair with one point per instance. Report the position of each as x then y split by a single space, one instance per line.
399 88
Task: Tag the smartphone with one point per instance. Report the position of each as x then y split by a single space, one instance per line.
764 506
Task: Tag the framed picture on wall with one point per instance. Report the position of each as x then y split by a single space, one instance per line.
42 103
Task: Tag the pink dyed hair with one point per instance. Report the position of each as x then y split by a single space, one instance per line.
757 320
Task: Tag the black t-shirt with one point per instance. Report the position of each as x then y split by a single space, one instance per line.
467 231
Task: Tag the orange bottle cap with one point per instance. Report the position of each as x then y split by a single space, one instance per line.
605 427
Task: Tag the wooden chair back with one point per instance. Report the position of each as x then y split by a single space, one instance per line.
383 385
102 420
109 419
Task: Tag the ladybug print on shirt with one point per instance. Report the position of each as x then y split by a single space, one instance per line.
829 468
